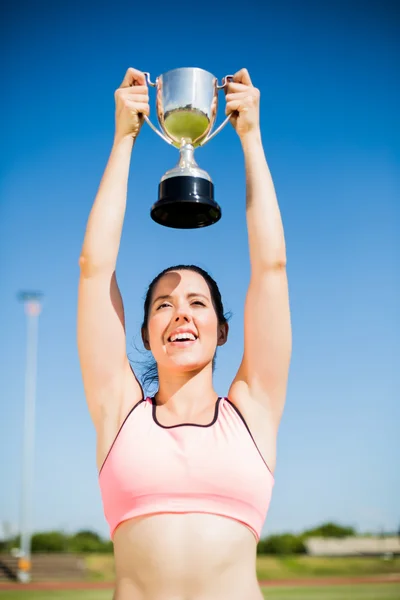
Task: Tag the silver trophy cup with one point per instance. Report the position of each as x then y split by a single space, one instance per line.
187 102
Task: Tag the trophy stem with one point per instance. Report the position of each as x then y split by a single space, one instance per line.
186 156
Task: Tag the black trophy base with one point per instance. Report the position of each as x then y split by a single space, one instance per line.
186 202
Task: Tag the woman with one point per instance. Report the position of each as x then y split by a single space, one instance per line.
186 477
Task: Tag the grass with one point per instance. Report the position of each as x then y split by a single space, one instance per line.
386 591
101 567
290 567
339 592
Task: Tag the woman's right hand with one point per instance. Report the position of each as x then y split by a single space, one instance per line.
131 103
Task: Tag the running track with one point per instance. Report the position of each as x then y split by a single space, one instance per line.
87 585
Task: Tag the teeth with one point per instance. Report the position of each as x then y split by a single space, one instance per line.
182 336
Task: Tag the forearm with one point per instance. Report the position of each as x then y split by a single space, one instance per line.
104 227
264 223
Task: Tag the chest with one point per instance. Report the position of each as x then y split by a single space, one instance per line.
194 459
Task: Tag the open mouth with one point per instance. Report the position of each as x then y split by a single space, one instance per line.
182 339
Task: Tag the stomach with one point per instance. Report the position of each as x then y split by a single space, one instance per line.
185 557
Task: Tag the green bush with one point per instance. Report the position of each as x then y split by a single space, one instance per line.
50 541
287 543
281 544
88 541
81 542
329 530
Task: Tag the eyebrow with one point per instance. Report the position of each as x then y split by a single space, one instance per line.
191 295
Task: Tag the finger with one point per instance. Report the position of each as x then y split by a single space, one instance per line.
236 105
132 94
137 98
239 95
137 89
139 107
236 87
132 77
242 76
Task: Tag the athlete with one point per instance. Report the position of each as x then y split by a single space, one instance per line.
186 476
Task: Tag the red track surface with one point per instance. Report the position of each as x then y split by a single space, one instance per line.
103 585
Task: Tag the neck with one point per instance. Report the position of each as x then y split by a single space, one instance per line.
188 392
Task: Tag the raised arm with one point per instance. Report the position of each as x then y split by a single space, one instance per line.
267 331
110 386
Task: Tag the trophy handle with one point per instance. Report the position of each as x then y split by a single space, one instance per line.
224 82
210 136
146 118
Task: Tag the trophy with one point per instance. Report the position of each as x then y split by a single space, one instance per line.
186 103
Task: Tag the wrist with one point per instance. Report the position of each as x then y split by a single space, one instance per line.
251 140
124 142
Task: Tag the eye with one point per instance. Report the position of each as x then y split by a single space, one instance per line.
163 305
198 302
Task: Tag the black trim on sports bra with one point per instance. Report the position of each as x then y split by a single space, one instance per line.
250 434
119 431
153 401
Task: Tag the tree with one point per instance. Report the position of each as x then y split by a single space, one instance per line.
329 530
88 541
281 544
49 541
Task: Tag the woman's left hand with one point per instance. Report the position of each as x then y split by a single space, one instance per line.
243 101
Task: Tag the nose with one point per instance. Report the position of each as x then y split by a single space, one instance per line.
182 315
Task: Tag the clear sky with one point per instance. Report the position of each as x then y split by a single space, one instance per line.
330 125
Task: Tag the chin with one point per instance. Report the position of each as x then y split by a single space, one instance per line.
186 366
185 363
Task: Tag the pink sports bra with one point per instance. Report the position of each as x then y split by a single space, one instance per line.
187 468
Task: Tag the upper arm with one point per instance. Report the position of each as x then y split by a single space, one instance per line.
267 341
105 367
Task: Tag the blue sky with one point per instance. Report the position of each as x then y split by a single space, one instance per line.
330 126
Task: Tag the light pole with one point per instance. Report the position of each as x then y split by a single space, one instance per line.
32 304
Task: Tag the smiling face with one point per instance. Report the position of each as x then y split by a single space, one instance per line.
182 329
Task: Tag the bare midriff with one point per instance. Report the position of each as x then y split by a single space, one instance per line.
185 557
